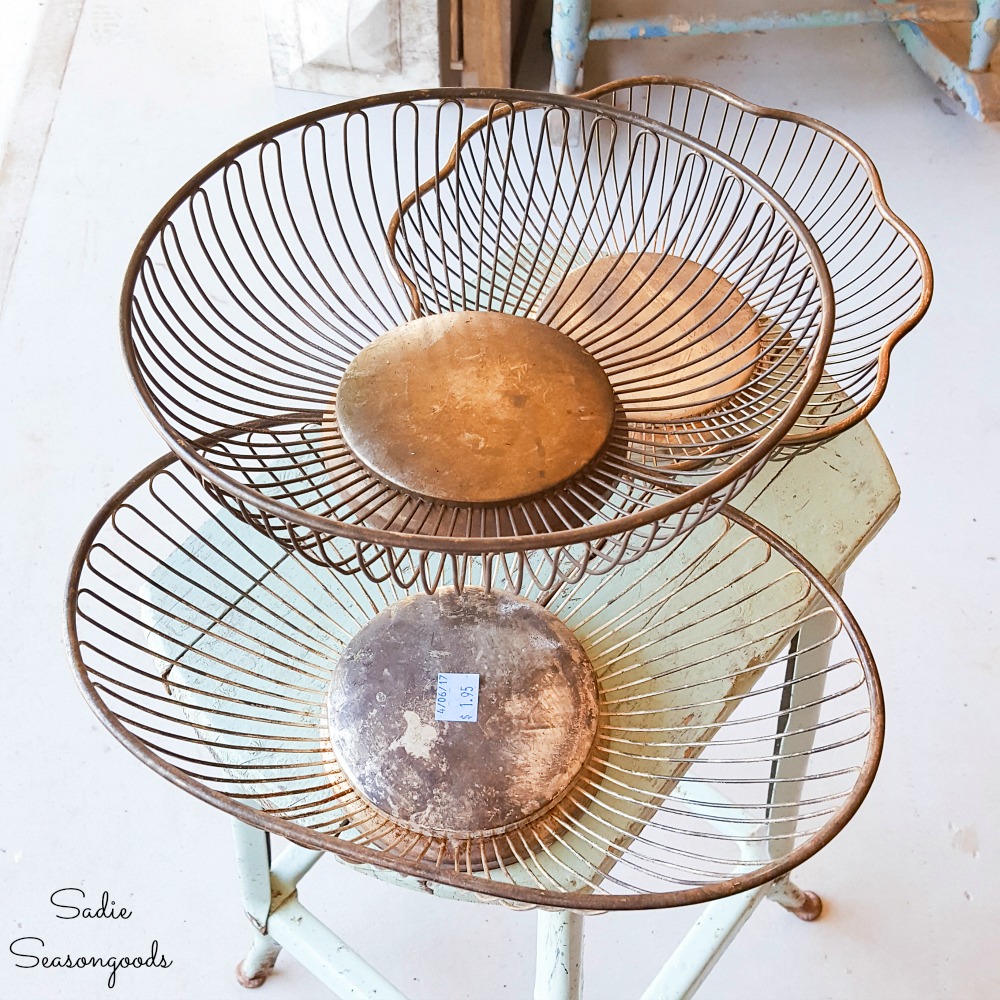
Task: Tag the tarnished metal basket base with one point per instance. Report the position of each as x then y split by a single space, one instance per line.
465 718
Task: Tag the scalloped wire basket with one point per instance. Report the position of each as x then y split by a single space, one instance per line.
881 274
208 651
269 272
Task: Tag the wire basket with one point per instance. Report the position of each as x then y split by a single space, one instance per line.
722 756
703 299
881 274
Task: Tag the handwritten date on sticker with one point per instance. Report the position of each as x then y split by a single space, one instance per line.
457 698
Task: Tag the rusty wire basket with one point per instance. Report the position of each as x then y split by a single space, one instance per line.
709 756
880 271
296 286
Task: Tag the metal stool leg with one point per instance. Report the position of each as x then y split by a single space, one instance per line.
280 920
559 962
720 922
570 28
703 945
804 905
985 35
805 680
253 865
257 966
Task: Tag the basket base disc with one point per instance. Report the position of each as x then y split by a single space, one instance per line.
474 407
677 338
535 723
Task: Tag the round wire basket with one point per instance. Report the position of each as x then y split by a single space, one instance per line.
700 300
881 274
726 748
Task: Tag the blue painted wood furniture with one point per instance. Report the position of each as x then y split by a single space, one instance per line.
952 40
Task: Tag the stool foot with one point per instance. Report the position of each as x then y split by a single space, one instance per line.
803 904
258 965
249 982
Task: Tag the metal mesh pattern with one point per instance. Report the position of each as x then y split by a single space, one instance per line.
266 274
208 649
880 271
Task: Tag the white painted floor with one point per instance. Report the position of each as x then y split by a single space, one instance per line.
912 887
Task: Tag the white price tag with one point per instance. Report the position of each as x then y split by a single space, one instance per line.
457 698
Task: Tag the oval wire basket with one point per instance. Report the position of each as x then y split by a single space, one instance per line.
268 273
208 651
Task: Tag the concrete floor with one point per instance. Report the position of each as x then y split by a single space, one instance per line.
912 886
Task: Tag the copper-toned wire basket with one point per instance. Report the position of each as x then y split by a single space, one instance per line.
881 274
211 652
700 300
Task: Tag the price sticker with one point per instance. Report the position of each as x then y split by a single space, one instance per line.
457 698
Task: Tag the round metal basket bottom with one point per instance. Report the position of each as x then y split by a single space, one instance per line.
475 408
210 651
463 717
